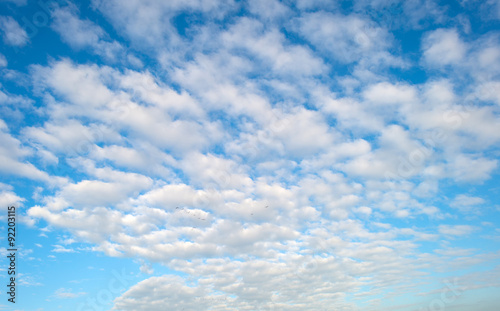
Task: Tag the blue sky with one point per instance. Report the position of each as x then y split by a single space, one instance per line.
251 155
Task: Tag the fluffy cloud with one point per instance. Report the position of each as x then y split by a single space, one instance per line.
87 91
467 168
348 39
151 23
12 155
269 155
81 34
9 198
386 94
270 46
180 295
443 47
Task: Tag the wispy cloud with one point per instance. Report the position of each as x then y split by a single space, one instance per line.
66 293
13 33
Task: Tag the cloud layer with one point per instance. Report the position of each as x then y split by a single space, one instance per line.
272 155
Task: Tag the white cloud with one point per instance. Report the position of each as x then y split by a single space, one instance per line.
214 80
300 133
456 230
304 133
364 210
181 295
207 171
427 189
439 93
8 197
349 113
80 221
95 193
399 156
86 90
109 188
488 91
286 280
272 48
169 196
67 293
467 204
419 11
70 138
149 23
81 85
273 159
146 268
144 86
12 153
148 159
443 47
385 93
269 10
62 249
489 55
13 34
78 33
348 39
82 34
467 168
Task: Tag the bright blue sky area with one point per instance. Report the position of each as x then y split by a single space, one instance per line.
251 155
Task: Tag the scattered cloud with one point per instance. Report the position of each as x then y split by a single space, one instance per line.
250 156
